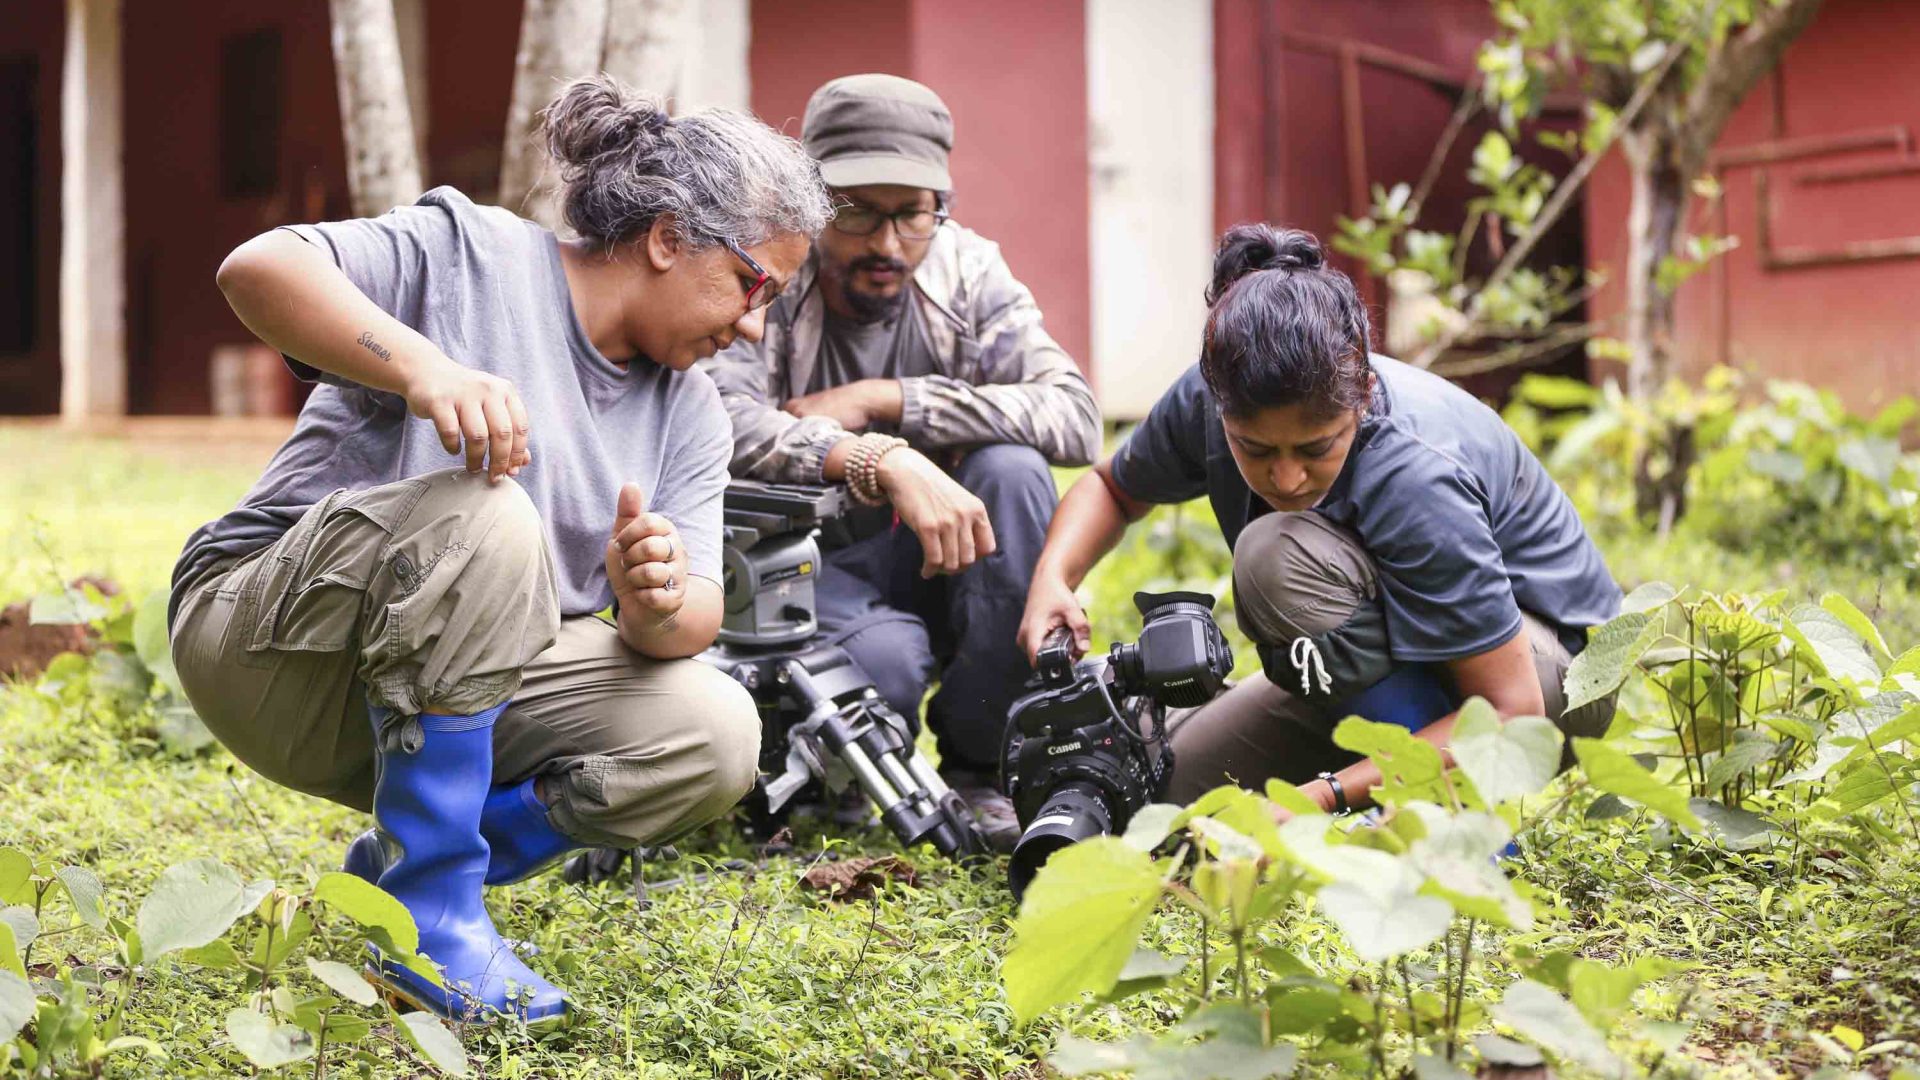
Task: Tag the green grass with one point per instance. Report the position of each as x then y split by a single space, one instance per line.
747 975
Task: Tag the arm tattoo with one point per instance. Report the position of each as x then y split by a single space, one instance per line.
366 341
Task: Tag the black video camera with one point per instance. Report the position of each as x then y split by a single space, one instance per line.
1088 749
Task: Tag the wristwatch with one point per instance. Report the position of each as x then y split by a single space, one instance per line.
1340 806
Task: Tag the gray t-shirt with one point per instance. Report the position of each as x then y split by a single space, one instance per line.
894 348
489 290
1464 524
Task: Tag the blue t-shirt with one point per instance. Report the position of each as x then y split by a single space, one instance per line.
1462 521
489 290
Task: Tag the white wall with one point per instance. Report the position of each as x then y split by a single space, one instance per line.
1150 106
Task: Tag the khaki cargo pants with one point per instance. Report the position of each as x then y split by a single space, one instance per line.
1301 576
435 594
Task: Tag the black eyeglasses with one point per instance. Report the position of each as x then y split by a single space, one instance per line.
855 219
758 295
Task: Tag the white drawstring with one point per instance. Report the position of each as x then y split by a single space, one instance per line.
1306 656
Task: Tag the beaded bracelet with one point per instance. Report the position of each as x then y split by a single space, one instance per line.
863 466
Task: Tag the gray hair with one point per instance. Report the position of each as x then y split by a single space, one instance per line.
716 173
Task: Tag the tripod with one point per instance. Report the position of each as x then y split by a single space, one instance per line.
822 721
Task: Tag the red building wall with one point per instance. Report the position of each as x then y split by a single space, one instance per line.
1013 72
1851 327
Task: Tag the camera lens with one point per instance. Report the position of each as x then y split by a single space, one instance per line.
1074 812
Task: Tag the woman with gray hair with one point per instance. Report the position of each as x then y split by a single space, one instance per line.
375 628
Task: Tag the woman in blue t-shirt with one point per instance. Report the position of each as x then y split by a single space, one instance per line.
1396 549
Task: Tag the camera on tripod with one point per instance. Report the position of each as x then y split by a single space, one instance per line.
823 724
1088 749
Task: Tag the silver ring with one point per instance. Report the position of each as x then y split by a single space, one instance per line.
669 586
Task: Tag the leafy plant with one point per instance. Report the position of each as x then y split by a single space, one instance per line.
52 1019
130 674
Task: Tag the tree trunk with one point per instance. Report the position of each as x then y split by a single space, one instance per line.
1660 191
559 40
645 43
383 166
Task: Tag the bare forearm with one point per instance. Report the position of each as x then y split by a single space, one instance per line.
295 299
688 633
1087 525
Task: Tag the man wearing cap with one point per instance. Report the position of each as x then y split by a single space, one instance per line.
908 362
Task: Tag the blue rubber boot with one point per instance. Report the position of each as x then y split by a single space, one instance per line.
427 804
514 824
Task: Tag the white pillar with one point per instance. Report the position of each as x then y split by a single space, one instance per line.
1150 121
714 70
93 229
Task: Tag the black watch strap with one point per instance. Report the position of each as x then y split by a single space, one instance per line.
1340 805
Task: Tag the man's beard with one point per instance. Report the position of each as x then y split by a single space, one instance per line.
868 307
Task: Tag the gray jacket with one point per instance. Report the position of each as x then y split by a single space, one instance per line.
1000 377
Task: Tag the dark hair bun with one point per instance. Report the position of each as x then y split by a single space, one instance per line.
1256 246
594 118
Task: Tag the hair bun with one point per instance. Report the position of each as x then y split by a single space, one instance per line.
597 116
1245 249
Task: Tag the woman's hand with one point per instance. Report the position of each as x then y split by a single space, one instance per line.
1050 603
475 413
646 564
950 521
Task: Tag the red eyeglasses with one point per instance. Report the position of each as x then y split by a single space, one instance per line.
758 295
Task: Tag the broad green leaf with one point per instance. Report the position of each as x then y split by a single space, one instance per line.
1648 597
1607 807
1078 924
1908 664
1864 787
436 1043
219 954
1304 841
151 644
1610 656
1829 645
344 981
1738 829
1551 1021
84 890
17 1005
1411 766
370 907
1602 992
1856 620
126 1043
193 903
1612 771
1078 1056
1291 798
1296 1009
182 731
1791 727
267 1044
22 922
1224 841
68 607
1509 760
1145 970
1429 1067
1382 929
1457 857
16 877
1500 1050
1735 631
10 954
1739 758
1150 825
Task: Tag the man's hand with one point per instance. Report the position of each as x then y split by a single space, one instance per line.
646 564
475 413
1049 604
856 406
950 521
